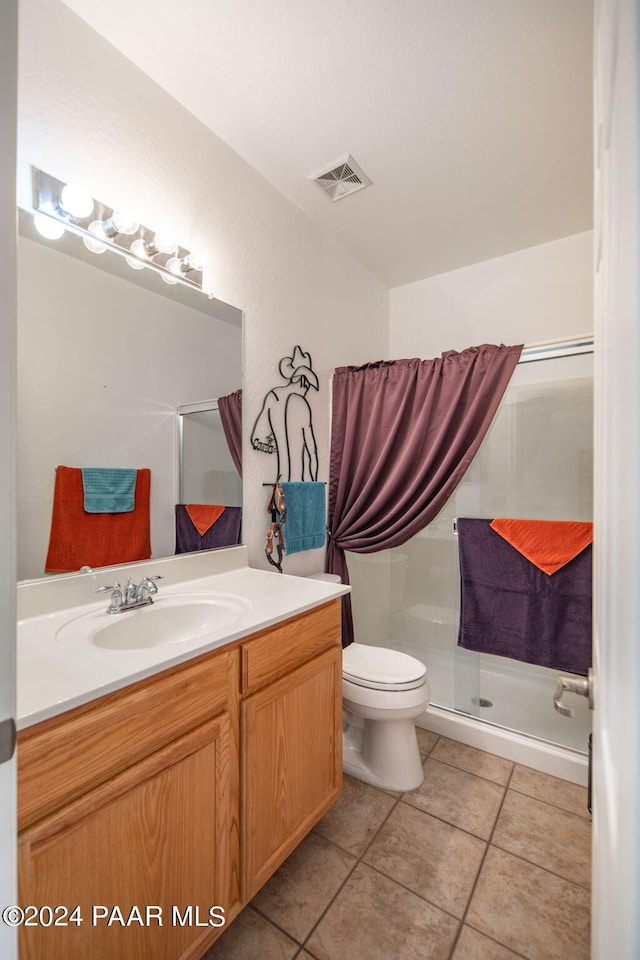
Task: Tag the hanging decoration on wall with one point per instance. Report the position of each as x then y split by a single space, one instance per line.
284 425
277 510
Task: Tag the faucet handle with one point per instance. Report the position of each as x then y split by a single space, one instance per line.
116 597
147 584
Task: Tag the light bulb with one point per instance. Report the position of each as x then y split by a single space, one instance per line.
175 265
139 248
76 200
95 246
96 227
195 260
47 227
124 223
134 263
168 278
164 243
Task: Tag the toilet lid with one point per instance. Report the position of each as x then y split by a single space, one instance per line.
380 668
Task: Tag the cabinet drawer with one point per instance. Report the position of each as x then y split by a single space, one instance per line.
279 649
62 758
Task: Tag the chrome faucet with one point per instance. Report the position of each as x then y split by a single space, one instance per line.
133 596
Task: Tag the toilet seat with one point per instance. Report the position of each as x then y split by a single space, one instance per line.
378 668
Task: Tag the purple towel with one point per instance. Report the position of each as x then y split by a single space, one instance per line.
509 607
225 532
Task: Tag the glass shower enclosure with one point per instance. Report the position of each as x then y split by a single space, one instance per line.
535 462
206 473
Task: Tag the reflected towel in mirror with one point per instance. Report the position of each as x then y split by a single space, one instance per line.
79 538
224 531
109 489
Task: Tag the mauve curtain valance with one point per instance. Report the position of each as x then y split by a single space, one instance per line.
403 434
230 409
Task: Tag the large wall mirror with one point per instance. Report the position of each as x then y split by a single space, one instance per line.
107 356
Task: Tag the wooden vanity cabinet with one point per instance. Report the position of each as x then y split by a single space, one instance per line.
178 794
132 801
129 853
291 731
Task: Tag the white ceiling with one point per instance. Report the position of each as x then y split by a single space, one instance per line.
472 118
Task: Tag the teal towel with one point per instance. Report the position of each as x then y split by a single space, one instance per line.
305 524
108 489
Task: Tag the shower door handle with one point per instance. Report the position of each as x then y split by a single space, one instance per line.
582 686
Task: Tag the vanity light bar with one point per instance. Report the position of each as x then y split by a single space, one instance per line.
60 207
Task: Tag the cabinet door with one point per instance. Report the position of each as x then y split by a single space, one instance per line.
292 762
155 838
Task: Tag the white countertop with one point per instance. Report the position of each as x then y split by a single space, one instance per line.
55 676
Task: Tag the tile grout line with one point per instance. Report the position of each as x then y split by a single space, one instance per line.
353 867
517 790
399 797
532 863
519 856
555 806
482 862
490 843
359 859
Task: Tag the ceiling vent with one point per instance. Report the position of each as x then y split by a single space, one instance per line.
343 178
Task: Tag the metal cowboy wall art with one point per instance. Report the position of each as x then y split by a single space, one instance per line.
284 425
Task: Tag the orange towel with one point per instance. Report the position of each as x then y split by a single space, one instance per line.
203 515
549 544
95 539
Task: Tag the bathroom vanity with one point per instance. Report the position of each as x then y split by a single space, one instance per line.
154 810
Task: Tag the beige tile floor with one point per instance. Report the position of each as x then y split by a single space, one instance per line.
487 860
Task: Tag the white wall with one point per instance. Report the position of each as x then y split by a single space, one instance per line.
540 293
87 114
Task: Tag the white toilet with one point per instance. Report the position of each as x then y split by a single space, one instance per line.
383 693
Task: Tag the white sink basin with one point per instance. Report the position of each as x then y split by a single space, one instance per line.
171 619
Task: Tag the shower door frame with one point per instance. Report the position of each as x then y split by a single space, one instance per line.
467 665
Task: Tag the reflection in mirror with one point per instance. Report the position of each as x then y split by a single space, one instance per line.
209 478
207 470
104 362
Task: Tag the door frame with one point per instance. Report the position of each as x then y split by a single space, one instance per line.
8 114
616 729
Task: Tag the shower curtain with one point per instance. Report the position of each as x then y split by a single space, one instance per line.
403 434
230 410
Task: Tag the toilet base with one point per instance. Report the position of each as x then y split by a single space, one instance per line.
384 754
